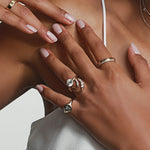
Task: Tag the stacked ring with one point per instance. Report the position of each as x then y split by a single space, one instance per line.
75 85
11 4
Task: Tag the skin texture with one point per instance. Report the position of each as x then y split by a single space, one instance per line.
111 106
21 55
22 17
23 68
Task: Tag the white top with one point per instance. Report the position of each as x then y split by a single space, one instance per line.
59 131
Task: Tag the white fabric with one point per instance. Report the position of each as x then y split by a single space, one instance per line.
59 131
104 23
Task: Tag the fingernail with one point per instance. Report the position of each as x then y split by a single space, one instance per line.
52 36
31 28
57 28
80 24
44 52
39 88
135 49
70 18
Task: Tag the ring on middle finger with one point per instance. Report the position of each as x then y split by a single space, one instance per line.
75 85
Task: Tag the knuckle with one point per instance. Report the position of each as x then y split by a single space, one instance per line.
60 11
5 16
98 44
66 74
51 59
76 53
87 30
24 11
114 75
41 28
19 22
46 94
64 37
100 86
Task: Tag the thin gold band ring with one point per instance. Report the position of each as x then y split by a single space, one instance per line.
11 4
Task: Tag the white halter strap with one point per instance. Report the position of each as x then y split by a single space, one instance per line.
104 23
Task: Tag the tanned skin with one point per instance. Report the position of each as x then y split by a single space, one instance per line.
22 67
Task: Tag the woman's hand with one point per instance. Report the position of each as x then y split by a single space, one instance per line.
115 109
21 17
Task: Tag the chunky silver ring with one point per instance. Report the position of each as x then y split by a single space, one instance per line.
75 85
68 107
101 62
11 4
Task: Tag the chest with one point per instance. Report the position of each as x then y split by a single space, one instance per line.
119 36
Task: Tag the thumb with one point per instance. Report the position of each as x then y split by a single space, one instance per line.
140 66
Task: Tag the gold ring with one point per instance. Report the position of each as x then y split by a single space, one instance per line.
68 107
11 4
101 62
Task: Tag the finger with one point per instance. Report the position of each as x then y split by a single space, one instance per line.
51 10
33 22
61 71
76 53
13 20
140 66
95 44
56 98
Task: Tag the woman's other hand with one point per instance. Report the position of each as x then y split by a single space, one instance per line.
115 109
20 16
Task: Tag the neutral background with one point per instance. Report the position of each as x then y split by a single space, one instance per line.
16 119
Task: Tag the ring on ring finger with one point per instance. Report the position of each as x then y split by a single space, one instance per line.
103 61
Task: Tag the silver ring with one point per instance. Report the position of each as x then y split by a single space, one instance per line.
68 107
101 62
75 85
70 83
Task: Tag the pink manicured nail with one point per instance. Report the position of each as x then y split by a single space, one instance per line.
31 28
70 18
135 49
56 27
80 24
39 88
44 52
52 36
